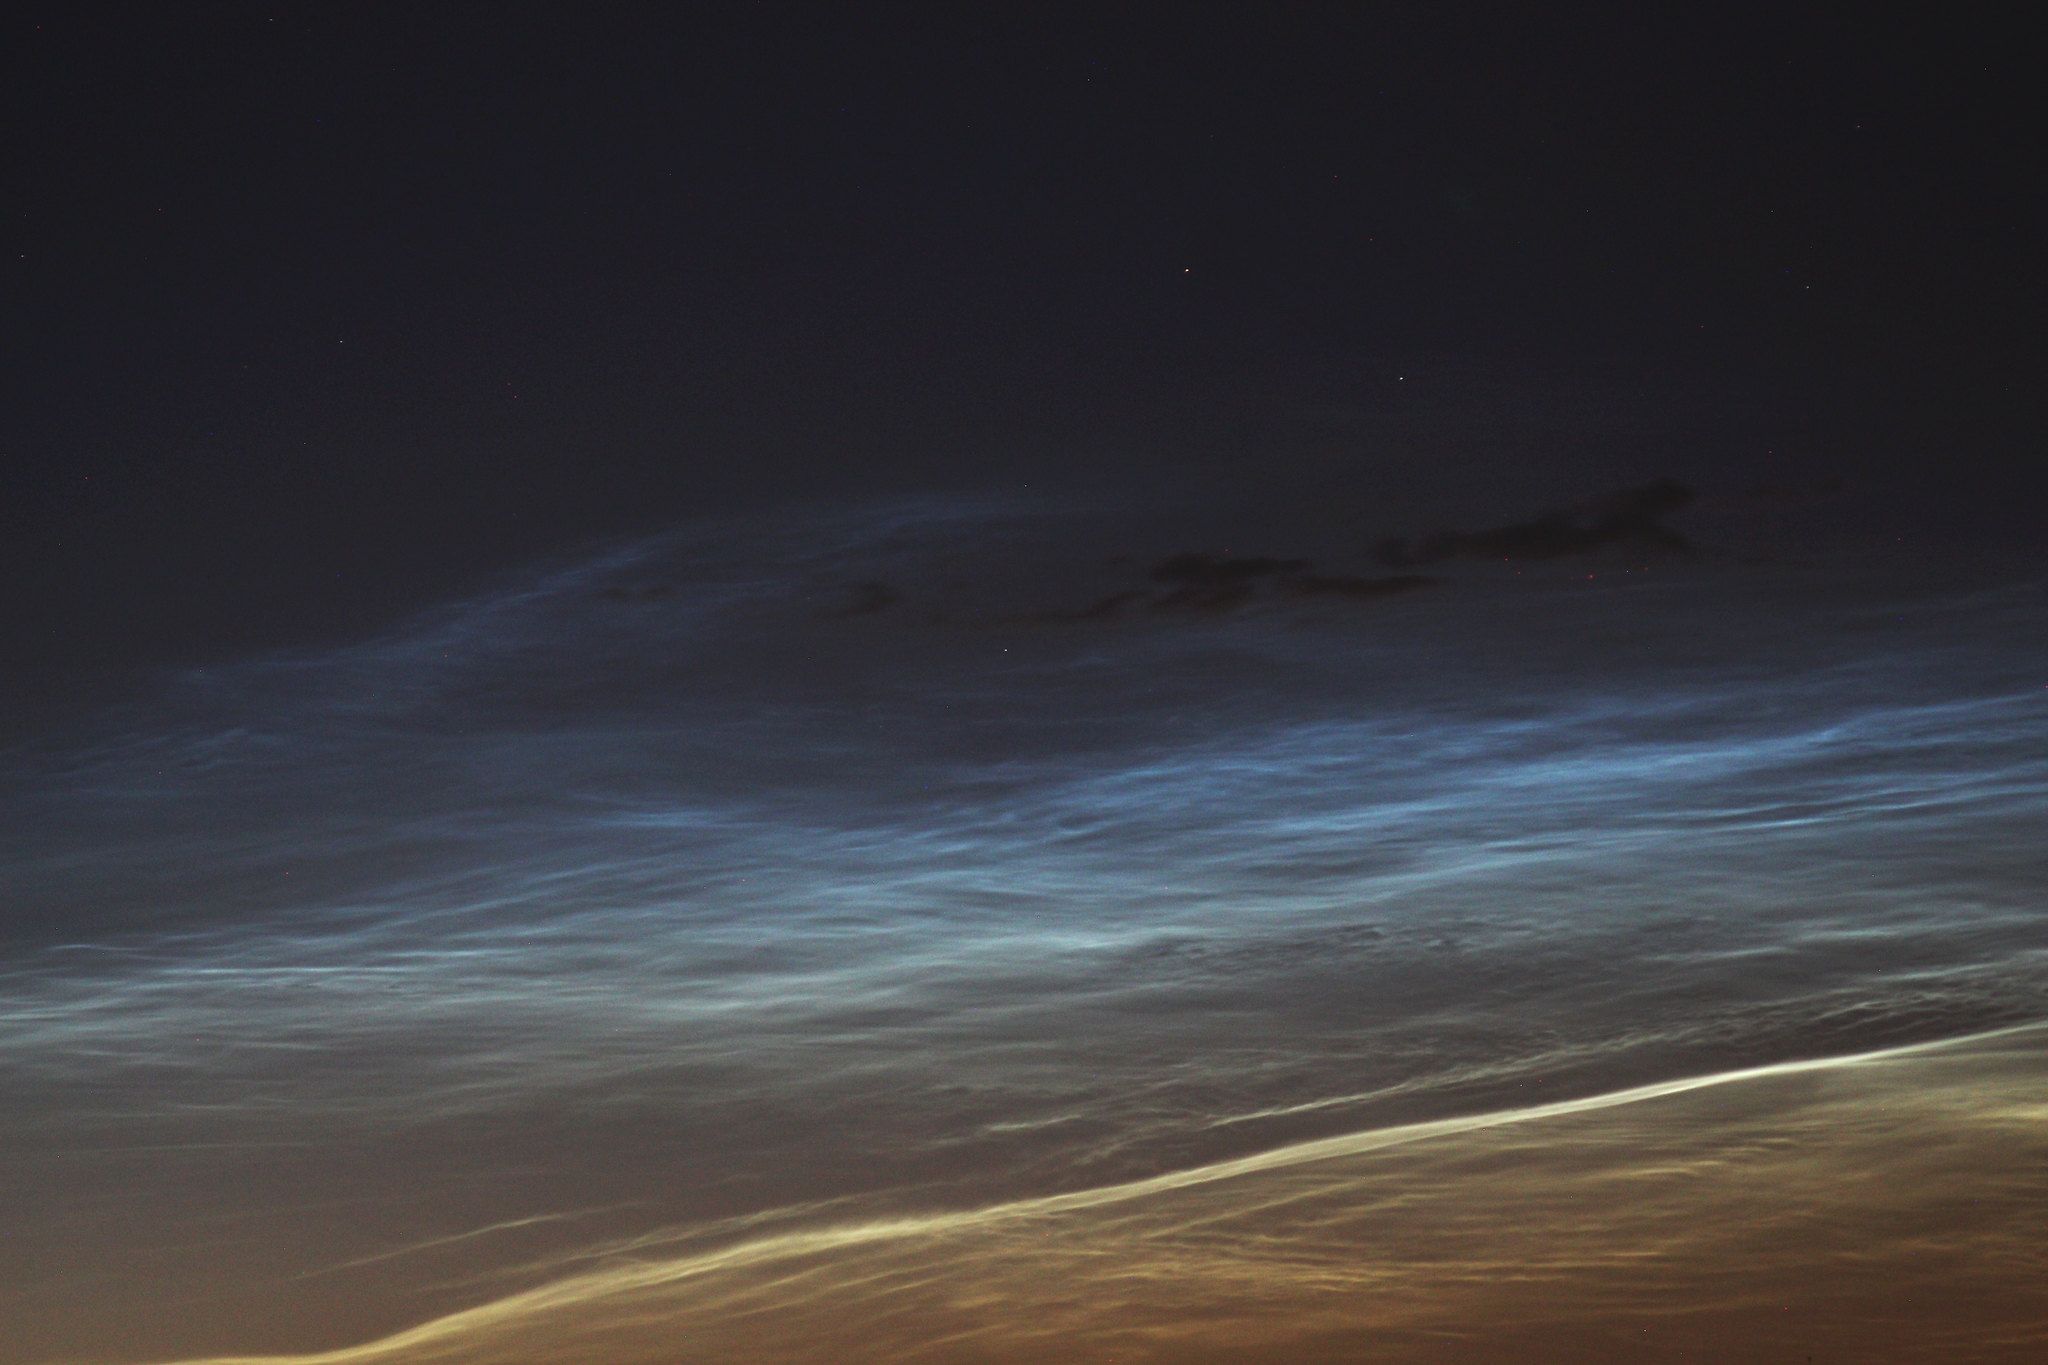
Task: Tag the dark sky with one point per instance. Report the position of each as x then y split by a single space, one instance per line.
316 309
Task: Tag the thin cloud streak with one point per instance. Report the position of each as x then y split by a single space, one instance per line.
1041 1231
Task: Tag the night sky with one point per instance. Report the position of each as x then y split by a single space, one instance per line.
316 306
828 683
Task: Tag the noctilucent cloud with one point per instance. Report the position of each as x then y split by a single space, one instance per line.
1163 685
650 949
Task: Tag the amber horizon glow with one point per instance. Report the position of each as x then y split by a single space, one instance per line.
1730 1216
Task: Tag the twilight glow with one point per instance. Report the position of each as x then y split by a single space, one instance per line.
1132 684
673 955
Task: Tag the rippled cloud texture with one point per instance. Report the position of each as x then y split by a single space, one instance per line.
825 938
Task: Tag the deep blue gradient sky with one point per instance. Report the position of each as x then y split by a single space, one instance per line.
1177 684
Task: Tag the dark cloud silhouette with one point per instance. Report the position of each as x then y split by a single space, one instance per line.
643 592
1632 519
866 599
1212 584
1223 571
1101 609
1200 583
1211 600
1353 587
